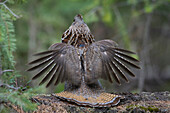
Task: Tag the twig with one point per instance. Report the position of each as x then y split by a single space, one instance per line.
8 70
3 3
8 86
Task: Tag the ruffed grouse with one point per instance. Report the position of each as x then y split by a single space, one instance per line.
79 61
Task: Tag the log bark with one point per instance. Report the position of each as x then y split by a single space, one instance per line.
135 103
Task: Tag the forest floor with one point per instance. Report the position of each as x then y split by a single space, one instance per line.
143 102
133 103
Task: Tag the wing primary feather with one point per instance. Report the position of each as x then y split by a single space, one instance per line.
109 73
40 59
54 75
119 71
44 52
55 55
124 67
64 77
43 70
60 75
42 63
127 61
106 70
126 56
125 51
47 76
109 67
114 74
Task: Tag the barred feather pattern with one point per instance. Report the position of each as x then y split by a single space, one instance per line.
78 33
80 61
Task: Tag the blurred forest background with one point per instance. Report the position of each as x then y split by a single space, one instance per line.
30 26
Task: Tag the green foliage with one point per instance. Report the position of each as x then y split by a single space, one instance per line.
7 45
10 92
21 97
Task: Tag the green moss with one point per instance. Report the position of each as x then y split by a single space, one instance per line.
149 108
153 109
144 108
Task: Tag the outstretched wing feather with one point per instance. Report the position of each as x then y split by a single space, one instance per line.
115 61
47 76
60 63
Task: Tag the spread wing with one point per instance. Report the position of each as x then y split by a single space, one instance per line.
60 63
105 60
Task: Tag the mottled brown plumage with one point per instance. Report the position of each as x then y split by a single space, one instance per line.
79 61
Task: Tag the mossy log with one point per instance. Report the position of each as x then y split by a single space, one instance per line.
142 102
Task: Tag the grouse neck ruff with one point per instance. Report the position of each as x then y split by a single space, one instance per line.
80 62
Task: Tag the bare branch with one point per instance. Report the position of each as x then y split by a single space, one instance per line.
8 86
3 71
3 3
8 70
